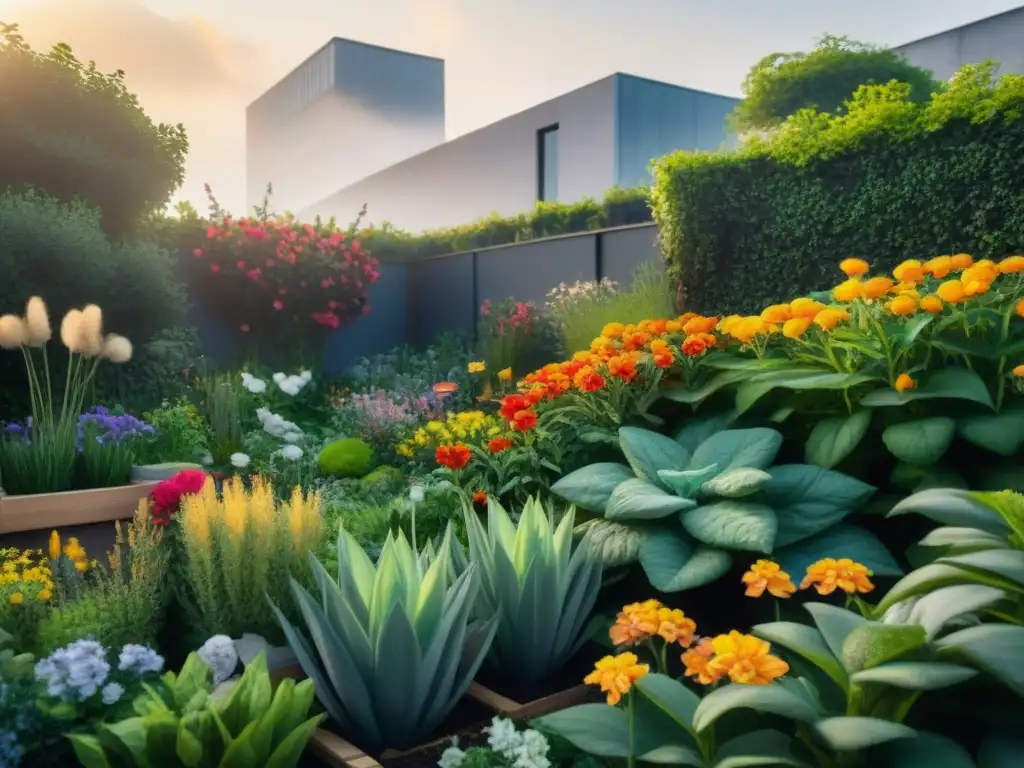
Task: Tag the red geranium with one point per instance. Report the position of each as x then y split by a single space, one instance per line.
166 496
453 456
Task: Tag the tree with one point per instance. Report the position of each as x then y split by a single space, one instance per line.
75 132
781 84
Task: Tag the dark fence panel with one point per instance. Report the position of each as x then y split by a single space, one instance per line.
527 271
441 297
624 250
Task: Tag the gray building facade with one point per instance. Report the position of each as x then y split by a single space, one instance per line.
347 111
999 37
577 145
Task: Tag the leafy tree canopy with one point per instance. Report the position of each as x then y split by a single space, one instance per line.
75 132
781 84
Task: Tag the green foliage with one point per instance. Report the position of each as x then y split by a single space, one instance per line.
782 84
348 457
76 132
180 435
181 723
766 223
156 373
385 478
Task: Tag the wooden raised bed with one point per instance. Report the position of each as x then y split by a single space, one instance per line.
46 511
338 753
515 710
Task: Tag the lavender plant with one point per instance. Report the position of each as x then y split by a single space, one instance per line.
380 417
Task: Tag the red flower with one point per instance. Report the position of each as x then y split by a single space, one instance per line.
480 499
197 252
524 421
499 445
452 456
215 267
512 404
167 495
696 344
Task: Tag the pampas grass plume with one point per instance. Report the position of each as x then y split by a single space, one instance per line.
37 322
90 331
13 333
117 349
69 329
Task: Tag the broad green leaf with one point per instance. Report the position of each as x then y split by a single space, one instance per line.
1001 433
672 697
757 749
807 642
734 448
674 563
768 699
596 729
922 442
590 487
732 525
947 383
736 483
908 331
702 393
927 749
916 675
950 506
960 540
687 482
88 750
931 577
844 540
835 624
696 431
809 499
936 609
848 734
832 440
672 754
1006 564
636 499
647 452
289 750
1000 750
872 645
993 648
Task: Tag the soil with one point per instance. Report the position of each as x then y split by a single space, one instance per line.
569 676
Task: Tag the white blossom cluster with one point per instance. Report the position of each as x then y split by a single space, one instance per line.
565 295
290 384
80 670
523 749
220 655
278 426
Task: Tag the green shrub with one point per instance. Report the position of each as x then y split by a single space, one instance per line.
58 251
385 478
346 457
890 179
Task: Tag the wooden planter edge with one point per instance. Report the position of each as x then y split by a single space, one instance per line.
337 752
45 511
515 710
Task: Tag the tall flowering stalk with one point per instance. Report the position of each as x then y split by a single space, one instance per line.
504 332
43 457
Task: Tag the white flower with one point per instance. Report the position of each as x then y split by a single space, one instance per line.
207 460
279 377
417 494
254 385
240 460
503 736
292 437
220 655
292 452
453 757
306 376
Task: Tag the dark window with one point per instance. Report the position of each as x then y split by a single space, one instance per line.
547 163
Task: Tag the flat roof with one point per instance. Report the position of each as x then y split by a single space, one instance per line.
982 20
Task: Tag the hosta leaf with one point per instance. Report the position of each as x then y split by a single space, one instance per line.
993 648
736 483
916 675
809 499
841 541
1001 433
590 487
687 482
733 448
696 431
647 452
732 525
673 562
636 499
922 442
832 440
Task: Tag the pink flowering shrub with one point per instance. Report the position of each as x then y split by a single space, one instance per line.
504 330
381 418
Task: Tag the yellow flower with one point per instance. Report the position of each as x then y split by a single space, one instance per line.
697 661
81 566
16 598
745 659
854 267
829 574
976 287
961 261
44 595
1011 265
747 328
675 627
765 574
796 327
902 306
1020 308
938 267
905 382
910 271
726 324
477 367
505 374
876 287
931 304
616 675
613 330
828 319
806 308
635 623
951 291
1019 371
777 313
848 290
54 545
981 272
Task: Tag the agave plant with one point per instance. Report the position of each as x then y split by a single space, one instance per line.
542 590
394 647
710 491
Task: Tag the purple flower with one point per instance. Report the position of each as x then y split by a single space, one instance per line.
106 428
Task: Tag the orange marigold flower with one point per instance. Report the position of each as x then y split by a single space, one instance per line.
854 267
588 380
616 674
777 313
635 340
951 291
1019 371
976 288
622 367
635 623
525 420
499 445
830 574
673 326
796 327
454 456
902 306
1011 265
700 325
979 273
1019 308
848 290
938 267
765 574
747 328
696 344
904 382
697 661
931 304
662 353
961 261
480 499
745 659
828 319
674 626
728 323
613 330
804 307
910 271
876 287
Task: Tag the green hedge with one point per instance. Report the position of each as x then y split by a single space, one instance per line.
889 180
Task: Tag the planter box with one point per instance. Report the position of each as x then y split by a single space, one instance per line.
154 473
45 511
515 710
338 753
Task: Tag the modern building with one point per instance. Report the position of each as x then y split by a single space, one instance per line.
999 37
346 112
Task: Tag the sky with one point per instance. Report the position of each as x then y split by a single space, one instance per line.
201 62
